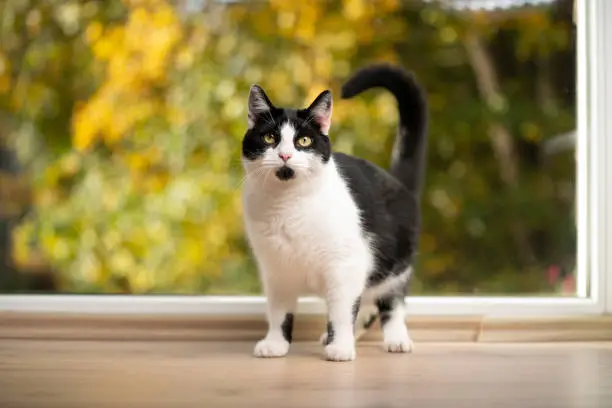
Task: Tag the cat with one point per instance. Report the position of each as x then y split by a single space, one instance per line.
331 223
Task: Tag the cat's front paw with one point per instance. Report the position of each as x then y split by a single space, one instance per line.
340 352
323 339
271 348
399 342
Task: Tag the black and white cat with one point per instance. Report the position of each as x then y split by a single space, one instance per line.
330 223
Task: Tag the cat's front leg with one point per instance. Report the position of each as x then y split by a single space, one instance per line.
343 302
281 303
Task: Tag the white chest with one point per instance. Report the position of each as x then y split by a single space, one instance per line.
301 235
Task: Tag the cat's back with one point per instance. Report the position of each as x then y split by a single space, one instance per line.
389 211
366 180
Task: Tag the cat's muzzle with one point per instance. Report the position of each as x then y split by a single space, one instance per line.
285 173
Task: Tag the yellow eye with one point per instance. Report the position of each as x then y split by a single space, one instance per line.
269 139
304 141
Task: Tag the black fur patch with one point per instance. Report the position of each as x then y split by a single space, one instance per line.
285 173
356 306
330 333
287 327
385 307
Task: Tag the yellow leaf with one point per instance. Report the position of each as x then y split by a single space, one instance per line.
354 9
5 84
93 32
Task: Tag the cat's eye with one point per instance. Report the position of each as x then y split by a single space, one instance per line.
269 139
304 141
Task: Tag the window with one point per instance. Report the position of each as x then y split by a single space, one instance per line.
119 151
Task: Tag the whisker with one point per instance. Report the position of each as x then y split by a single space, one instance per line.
270 171
257 172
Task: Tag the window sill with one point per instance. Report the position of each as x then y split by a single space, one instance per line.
116 327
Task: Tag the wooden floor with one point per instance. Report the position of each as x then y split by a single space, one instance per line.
89 374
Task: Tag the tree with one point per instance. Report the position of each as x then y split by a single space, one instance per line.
131 113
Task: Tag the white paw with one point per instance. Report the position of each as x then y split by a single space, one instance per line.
339 352
323 338
399 344
271 348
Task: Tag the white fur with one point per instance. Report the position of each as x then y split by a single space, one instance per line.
395 333
306 237
286 145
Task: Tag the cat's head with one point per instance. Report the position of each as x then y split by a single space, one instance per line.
288 143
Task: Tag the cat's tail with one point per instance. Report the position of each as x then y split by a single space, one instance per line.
409 151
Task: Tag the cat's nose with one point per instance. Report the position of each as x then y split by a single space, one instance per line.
284 156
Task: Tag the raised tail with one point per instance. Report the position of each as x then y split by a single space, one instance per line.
409 151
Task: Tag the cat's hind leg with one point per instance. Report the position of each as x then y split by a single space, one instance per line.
391 309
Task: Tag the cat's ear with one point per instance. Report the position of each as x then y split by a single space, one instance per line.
259 104
321 110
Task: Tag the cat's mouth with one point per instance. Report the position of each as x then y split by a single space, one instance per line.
285 173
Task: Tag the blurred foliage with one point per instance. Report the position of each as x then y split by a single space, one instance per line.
127 118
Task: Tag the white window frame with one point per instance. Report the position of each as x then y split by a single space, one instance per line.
594 175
